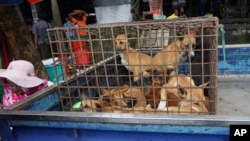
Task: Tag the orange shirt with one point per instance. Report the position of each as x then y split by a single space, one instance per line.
81 32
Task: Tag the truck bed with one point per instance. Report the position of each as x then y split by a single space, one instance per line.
42 116
233 97
41 124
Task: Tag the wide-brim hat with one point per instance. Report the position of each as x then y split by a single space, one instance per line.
77 11
21 73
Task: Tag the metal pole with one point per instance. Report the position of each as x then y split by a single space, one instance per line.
34 12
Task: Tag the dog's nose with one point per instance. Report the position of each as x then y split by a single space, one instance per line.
118 49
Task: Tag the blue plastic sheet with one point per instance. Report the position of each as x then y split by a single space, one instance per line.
10 2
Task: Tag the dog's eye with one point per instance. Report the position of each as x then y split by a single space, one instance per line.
186 46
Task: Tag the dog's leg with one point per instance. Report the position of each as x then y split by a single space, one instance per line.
163 101
141 109
180 110
136 74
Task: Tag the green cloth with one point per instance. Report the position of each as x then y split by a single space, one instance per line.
77 105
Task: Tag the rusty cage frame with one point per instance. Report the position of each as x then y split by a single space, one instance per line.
101 66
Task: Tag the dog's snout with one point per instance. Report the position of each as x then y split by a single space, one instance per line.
120 45
191 54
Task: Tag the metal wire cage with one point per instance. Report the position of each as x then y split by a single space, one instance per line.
95 79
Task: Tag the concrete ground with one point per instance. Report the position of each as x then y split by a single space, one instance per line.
233 98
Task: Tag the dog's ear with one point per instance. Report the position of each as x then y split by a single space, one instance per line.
204 85
103 91
180 35
183 32
115 36
182 91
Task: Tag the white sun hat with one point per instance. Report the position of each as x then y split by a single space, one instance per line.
22 73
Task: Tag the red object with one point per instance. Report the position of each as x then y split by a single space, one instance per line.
34 1
65 60
156 11
82 55
66 69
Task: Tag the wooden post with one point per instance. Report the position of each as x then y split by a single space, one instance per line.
56 14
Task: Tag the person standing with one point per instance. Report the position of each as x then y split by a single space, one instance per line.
41 39
215 8
178 7
79 18
69 33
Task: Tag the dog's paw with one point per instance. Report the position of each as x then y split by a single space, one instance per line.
148 106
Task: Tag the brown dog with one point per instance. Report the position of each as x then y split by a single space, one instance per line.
130 58
153 97
109 101
121 98
91 105
191 97
112 101
175 54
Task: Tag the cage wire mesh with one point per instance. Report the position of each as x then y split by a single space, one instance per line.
97 80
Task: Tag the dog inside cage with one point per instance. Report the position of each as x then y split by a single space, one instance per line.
159 67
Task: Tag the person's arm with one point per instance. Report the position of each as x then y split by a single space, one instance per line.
36 40
73 20
35 33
